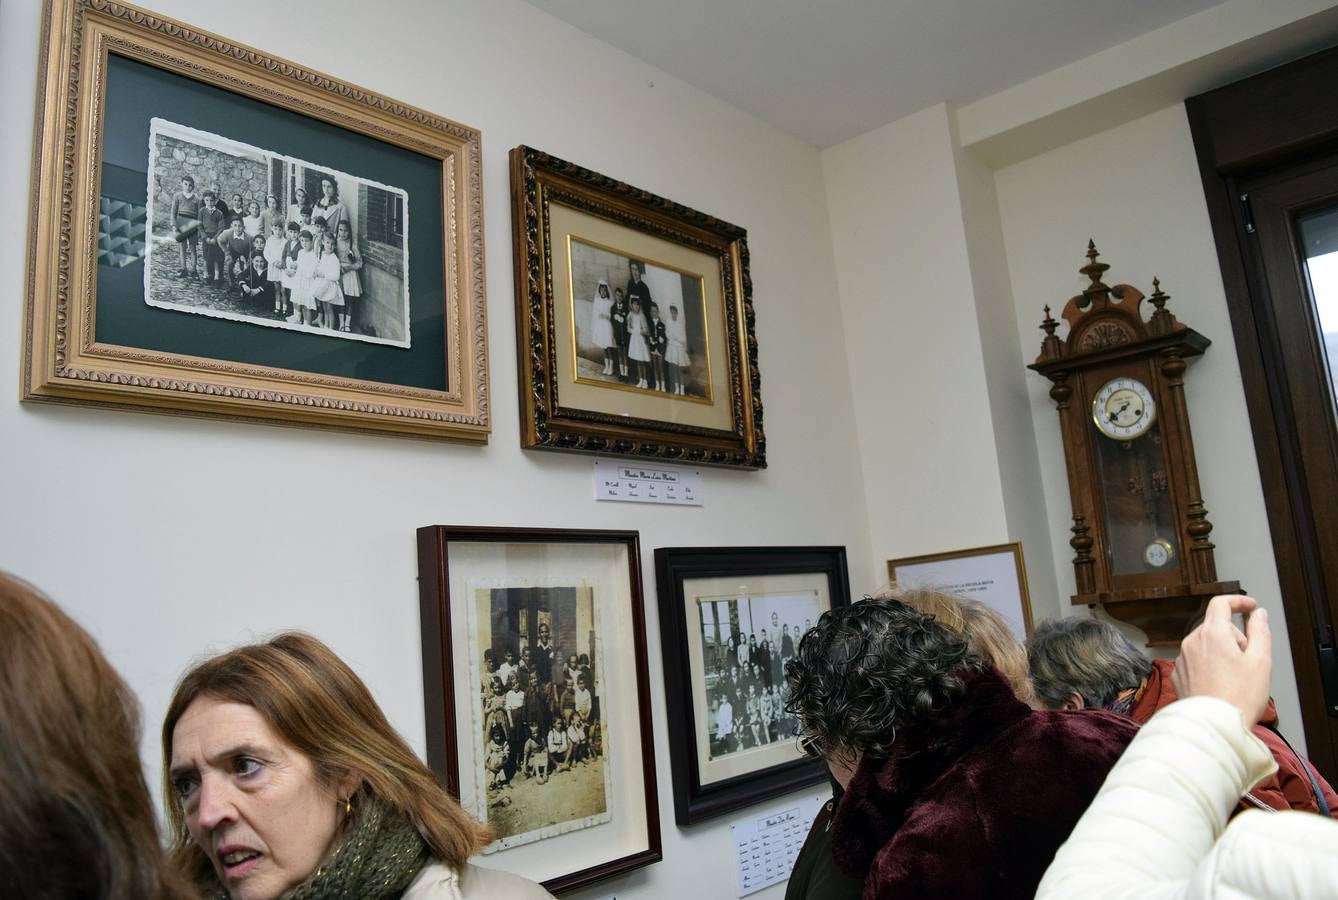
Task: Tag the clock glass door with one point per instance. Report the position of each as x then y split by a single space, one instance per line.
1140 521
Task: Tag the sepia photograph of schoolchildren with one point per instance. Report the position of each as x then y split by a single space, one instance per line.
746 642
544 760
637 324
252 236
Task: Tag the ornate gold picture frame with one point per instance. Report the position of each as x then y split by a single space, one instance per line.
131 107
635 322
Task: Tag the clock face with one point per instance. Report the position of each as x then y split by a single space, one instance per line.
1123 409
1158 553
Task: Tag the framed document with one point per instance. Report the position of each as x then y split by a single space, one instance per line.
995 576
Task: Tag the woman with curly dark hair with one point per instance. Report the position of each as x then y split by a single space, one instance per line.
952 786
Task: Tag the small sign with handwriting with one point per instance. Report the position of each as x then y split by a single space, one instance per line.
640 483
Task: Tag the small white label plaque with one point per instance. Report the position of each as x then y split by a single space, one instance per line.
640 483
766 846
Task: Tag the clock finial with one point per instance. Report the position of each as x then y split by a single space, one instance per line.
1093 270
1051 346
1162 321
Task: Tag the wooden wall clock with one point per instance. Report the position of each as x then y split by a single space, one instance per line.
1140 529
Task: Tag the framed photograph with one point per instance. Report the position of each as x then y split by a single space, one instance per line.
996 576
219 232
537 695
634 321
730 619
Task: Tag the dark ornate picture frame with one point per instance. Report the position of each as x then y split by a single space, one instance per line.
555 413
677 570
109 70
443 559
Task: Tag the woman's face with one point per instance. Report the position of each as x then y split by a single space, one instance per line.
327 187
252 802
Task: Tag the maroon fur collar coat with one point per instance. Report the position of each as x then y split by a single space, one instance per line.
974 803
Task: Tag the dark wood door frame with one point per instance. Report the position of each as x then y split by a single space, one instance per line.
1275 120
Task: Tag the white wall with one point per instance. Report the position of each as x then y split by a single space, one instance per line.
1136 191
931 471
168 536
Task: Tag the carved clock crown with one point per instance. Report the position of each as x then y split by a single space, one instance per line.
1102 317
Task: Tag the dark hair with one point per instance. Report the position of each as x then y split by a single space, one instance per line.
333 184
188 180
868 669
236 220
209 195
319 220
293 226
77 819
1086 656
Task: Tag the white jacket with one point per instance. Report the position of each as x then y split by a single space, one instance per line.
1156 828
438 881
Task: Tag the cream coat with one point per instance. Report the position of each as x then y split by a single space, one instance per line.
1157 829
438 881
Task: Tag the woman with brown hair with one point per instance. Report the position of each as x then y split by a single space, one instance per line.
77 821
284 778
987 634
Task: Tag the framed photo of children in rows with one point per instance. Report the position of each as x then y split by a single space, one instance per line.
537 696
635 321
730 619
242 244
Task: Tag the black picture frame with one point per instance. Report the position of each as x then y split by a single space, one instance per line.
677 567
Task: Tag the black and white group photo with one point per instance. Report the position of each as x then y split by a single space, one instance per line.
542 730
638 324
746 642
249 235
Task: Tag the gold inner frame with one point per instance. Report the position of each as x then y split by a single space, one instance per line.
79 36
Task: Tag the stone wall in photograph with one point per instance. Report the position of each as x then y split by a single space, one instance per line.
232 174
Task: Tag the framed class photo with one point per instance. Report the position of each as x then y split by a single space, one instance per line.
730 619
535 682
635 321
219 232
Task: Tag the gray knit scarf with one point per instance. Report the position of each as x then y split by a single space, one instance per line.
380 855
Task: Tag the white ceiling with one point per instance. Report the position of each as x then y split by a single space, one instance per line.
827 70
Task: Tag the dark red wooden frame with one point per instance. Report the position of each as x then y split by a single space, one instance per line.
443 751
